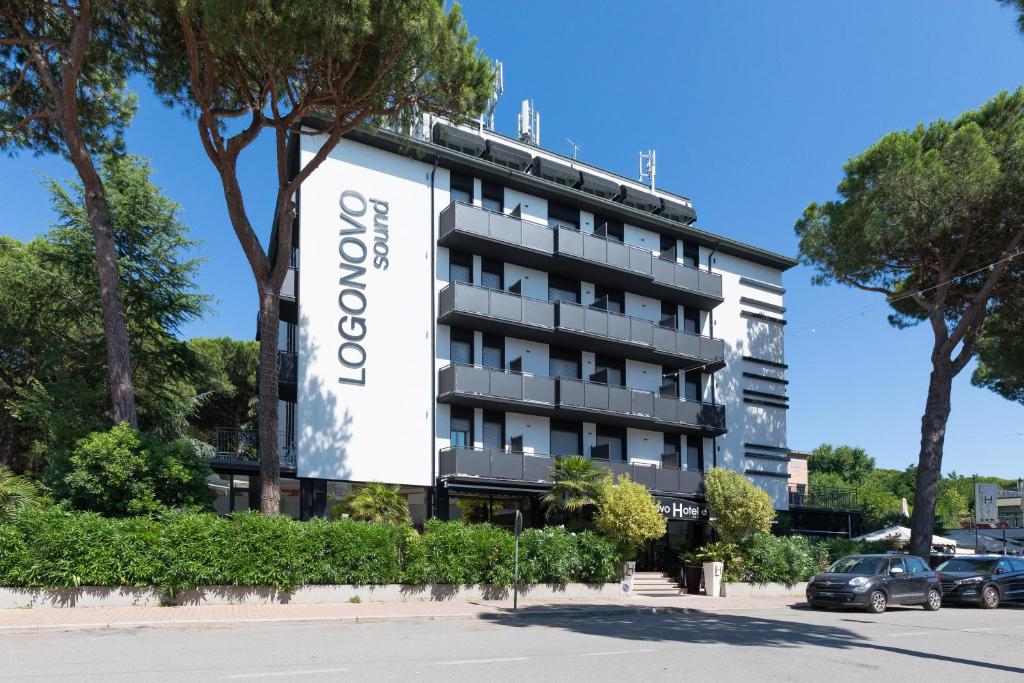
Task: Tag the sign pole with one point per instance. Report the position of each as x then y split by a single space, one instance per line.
515 591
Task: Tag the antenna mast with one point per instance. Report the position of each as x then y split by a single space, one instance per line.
575 148
647 167
529 124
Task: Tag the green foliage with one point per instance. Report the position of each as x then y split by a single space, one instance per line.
739 507
52 547
577 481
763 558
1001 351
225 385
849 463
375 502
627 514
15 493
124 472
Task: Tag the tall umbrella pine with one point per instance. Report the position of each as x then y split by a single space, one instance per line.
63 68
933 220
267 67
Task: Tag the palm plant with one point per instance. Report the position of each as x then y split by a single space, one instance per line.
377 502
15 492
576 483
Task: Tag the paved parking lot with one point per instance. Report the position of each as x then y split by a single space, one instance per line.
788 643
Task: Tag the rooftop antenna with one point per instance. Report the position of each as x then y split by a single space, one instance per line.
575 148
487 118
647 167
529 124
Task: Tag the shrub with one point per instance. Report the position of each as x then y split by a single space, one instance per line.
123 472
549 555
466 554
599 559
739 507
15 492
375 502
627 514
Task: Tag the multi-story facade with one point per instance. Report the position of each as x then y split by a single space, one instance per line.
465 307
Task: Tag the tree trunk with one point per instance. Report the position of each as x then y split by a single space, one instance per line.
270 466
929 463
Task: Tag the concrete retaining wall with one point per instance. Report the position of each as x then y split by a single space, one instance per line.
756 590
11 598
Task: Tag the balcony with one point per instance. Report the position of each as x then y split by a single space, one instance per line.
577 400
536 468
287 375
239 450
575 254
823 498
576 326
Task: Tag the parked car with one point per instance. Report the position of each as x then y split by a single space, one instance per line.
983 580
873 582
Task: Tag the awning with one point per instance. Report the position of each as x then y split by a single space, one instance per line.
640 199
598 185
677 211
508 156
459 139
901 534
494 487
553 170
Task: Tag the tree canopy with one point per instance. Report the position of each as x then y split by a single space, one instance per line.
739 507
849 463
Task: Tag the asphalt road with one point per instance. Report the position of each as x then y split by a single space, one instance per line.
906 644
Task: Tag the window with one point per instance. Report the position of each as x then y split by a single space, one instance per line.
461 346
610 444
566 438
896 563
462 188
669 315
494 429
691 254
461 427
609 228
668 248
561 216
563 289
1017 565
460 267
609 370
492 274
611 300
695 453
670 385
691 320
916 565
670 451
493 352
691 387
1002 567
493 197
564 363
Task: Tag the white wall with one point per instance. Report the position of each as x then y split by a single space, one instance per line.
534 354
643 307
341 426
640 237
644 446
646 376
535 282
533 208
535 430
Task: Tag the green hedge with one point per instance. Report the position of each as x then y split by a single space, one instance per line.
55 548
763 558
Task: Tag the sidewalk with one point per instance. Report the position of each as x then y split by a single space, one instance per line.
67 619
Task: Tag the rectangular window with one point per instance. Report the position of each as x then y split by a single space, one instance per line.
670 451
492 274
691 254
669 315
461 427
611 300
461 346
691 389
493 352
608 370
564 363
610 444
493 197
691 320
462 188
670 385
695 453
494 429
609 229
563 289
668 248
562 216
566 438
460 267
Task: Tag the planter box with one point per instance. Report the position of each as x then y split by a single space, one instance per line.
11 598
757 590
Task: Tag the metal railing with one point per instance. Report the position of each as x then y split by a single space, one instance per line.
242 446
828 499
1006 521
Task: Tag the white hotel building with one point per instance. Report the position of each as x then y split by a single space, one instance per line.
464 307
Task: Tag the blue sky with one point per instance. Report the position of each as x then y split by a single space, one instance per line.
752 108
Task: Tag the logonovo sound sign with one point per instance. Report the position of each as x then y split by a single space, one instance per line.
674 508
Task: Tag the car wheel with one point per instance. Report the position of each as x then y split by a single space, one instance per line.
989 597
877 602
934 601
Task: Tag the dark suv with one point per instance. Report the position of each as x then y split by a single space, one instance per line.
983 580
874 581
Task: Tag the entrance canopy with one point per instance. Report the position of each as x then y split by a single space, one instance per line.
901 534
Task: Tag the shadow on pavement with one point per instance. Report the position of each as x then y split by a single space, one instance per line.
703 628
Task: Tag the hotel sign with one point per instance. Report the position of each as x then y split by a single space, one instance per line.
684 510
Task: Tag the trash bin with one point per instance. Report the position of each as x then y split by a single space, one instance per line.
693 575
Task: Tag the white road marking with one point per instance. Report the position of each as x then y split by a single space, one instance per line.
285 673
616 652
492 660
973 630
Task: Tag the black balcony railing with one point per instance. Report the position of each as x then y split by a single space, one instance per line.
242 446
826 498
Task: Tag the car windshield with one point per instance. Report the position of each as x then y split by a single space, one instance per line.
856 565
960 565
